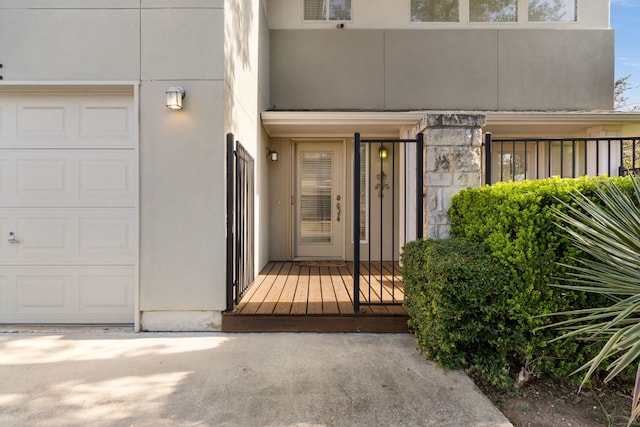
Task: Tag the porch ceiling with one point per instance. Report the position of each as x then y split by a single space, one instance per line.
344 124
336 123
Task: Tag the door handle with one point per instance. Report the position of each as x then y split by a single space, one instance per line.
12 238
339 210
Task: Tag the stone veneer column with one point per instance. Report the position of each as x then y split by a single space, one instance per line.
453 162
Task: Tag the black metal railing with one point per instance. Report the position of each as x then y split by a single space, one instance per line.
370 198
240 221
516 159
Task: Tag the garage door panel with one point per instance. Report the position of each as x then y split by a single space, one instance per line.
5 228
67 294
5 298
7 172
112 177
47 178
44 179
107 238
71 236
46 120
44 237
108 121
73 121
7 120
43 292
106 293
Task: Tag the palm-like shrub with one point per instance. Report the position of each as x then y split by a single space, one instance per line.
608 233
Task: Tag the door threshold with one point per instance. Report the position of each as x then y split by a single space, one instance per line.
312 258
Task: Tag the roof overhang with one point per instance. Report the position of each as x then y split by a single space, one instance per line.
345 123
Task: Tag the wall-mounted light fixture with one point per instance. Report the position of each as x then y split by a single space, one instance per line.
382 152
175 95
272 154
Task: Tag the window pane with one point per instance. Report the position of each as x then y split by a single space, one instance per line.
552 10
316 174
364 194
493 10
434 11
314 10
340 10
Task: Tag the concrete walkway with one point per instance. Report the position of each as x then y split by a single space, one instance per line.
75 378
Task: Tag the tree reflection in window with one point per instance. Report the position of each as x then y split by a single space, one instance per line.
434 11
552 10
493 10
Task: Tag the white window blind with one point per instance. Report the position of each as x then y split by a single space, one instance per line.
316 182
332 10
364 194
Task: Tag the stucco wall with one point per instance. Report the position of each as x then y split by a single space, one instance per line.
473 69
246 86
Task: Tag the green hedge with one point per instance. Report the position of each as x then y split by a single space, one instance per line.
511 228
457 307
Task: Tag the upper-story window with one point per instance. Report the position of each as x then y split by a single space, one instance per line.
493 10
327 10
434 11
552 11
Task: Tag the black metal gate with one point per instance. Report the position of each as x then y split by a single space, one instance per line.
387 270
240 221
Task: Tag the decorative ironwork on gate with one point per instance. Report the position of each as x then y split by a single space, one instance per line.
240 221
380 185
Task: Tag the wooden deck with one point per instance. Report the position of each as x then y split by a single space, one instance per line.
318 297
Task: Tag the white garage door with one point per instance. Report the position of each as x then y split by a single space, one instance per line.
68 208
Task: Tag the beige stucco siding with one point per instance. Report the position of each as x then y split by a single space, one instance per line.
484 69
555 70
313 69
246 94
70 44
450 69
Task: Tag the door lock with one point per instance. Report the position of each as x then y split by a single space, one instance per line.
12 238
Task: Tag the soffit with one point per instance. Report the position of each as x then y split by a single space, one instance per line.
344 124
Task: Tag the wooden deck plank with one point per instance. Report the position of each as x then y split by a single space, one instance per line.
260 293
392 284
390 288
257 283
314 299
366 290
345 303
382 283
288 294
347 277
273 296
299 305
329 299
393 273
373 285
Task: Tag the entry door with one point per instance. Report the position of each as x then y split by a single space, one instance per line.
320 202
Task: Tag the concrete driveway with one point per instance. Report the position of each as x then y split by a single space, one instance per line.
107 378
